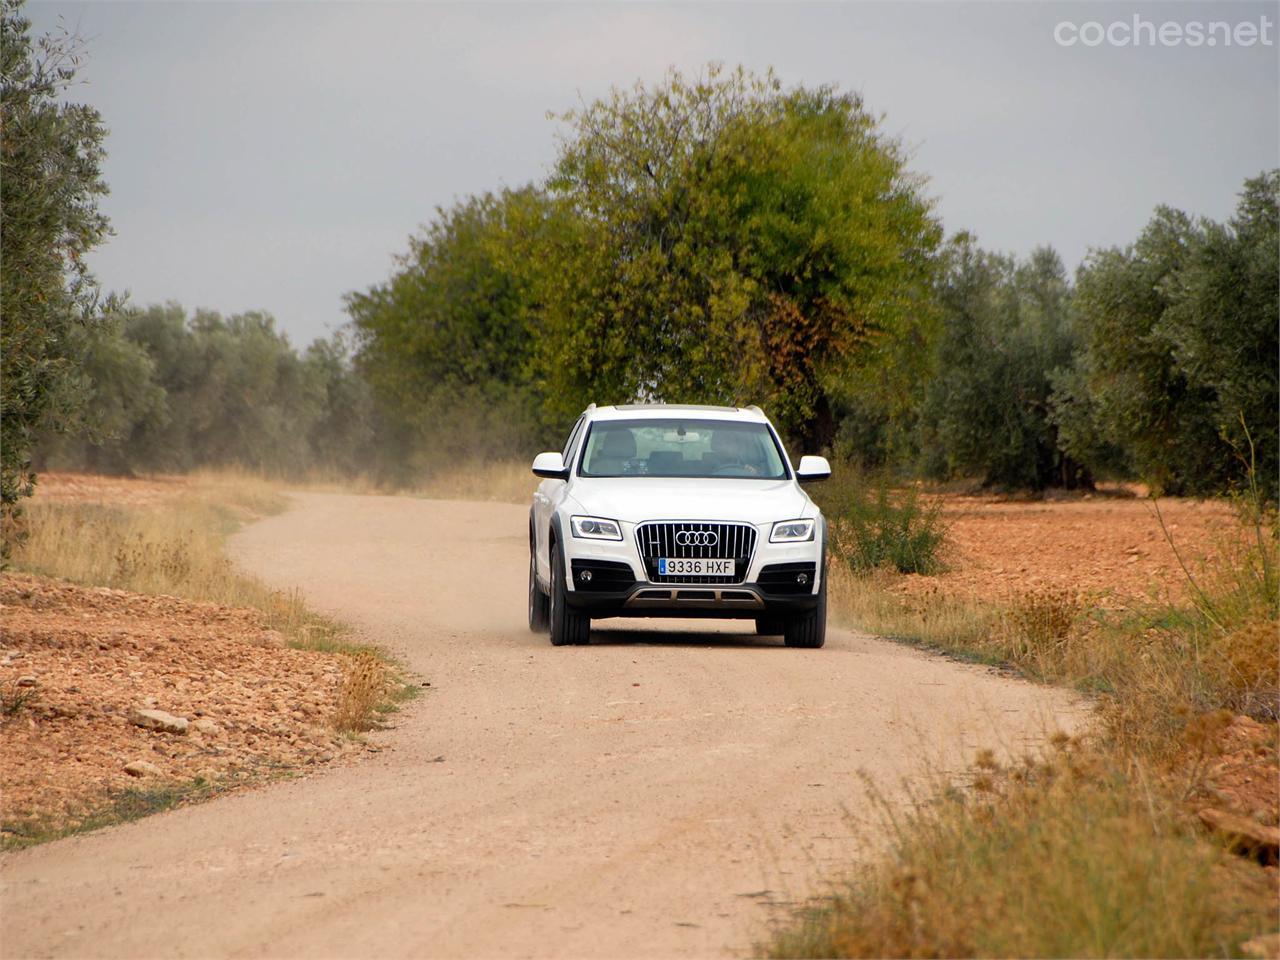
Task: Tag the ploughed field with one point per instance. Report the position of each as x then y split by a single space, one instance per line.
1109 547
110 692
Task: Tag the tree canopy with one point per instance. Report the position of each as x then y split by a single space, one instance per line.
715 238
51 154
1180 346
171 391
744 242
447 343
1005 331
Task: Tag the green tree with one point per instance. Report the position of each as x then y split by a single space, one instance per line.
1145 404
878 400
446 343
50 158
123 402
743 243
1222 326
344 437
237 393
168 392
1006 331
161 331
1075 411
252 401
1180 348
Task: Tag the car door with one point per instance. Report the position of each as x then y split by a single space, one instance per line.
547 498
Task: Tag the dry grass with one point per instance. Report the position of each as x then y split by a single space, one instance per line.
175 545
1092 850
494 481
866 602
364 686
1150 660
1033 632
1065 856
502 481
171 544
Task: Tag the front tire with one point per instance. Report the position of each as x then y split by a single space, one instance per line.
539 602
568 626
809 629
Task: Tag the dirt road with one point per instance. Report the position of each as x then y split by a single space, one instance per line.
657 793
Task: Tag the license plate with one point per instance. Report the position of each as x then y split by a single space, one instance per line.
695 568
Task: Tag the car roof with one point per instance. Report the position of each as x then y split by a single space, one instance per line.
645 411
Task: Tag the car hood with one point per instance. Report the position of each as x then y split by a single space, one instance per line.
636 499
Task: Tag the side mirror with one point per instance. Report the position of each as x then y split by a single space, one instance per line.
550 466
813 469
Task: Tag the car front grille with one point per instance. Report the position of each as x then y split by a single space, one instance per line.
696 540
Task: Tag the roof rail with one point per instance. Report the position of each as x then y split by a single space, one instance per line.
590 407
755 409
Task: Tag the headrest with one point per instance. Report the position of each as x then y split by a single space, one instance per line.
620 444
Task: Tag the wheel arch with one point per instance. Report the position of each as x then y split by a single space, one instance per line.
555 535
822 552
554 541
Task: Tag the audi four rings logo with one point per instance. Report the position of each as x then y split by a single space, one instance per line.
697 538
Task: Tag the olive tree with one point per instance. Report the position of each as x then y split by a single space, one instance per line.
1179 348
51 153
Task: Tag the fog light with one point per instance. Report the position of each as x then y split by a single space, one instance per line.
802 578
585 576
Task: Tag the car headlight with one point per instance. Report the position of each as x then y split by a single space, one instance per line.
596 528
791 531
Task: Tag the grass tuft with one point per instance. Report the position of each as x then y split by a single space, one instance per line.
365 685
14 698
1039 628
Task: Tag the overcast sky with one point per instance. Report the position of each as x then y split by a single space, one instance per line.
277 155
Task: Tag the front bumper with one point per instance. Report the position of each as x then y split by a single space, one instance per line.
781 579
736 601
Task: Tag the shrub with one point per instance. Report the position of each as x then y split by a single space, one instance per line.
870 529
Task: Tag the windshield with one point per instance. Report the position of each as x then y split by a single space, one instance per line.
682 448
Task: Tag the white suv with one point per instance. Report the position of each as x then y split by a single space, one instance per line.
676 511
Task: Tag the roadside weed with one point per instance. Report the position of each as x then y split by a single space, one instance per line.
871 526
1063 856
364 685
